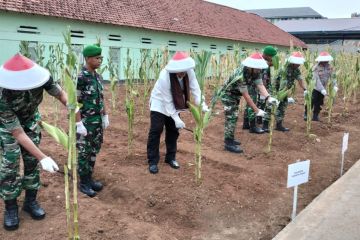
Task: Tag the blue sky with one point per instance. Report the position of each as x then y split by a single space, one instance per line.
327 8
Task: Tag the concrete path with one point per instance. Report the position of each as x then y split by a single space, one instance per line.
333 215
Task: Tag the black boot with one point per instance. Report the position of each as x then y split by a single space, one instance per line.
265 127
95 185
254 128
85 186
234 141
11 216
31 206
246 124
280 127
316 117
231 147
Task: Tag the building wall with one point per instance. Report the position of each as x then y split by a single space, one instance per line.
49 31
351 46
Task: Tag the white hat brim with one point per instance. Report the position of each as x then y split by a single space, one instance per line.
180 65
296 60
25 79
255 63
324 58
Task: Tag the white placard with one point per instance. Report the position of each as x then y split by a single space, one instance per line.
345 143
298 173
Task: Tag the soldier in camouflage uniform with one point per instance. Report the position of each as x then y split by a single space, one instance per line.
292 73
91 119
250 122
268 53
322 74
22 83
237 86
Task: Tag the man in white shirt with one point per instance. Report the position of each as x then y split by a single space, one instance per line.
169 97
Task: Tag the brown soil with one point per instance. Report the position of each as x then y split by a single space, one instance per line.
241 196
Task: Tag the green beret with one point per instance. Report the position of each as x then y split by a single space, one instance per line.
270 51
92 51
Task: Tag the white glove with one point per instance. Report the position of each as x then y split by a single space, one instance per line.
291 100
305 93
273 101
178 122
80 128
205 108
261 113
48 164
105 121
336 89
323 92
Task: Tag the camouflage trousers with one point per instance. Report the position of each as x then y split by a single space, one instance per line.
11 183
231 110
249 112
89 146
280 113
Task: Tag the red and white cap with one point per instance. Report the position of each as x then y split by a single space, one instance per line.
180 62
324 57
255 60
296 58
20 73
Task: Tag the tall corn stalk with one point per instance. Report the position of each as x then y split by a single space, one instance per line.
39 54
146 63
310 83
131 93
201 119
70 74
55 65
278 73
24 49
114 79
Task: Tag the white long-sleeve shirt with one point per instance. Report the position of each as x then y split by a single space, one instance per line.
161 99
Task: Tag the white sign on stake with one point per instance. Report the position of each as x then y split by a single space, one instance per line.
298 173
345 142
343 150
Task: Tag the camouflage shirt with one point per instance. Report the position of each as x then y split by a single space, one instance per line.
288 79
240 80
90 93
19 108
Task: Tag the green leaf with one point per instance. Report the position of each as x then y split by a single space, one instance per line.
58 134
196 113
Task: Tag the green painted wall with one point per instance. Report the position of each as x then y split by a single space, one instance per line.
50 31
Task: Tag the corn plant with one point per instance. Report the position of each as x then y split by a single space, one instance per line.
24 49
146 64
39 54
55 65
201 119
310 83
278 73
70 74
130 96
331 95
114 79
